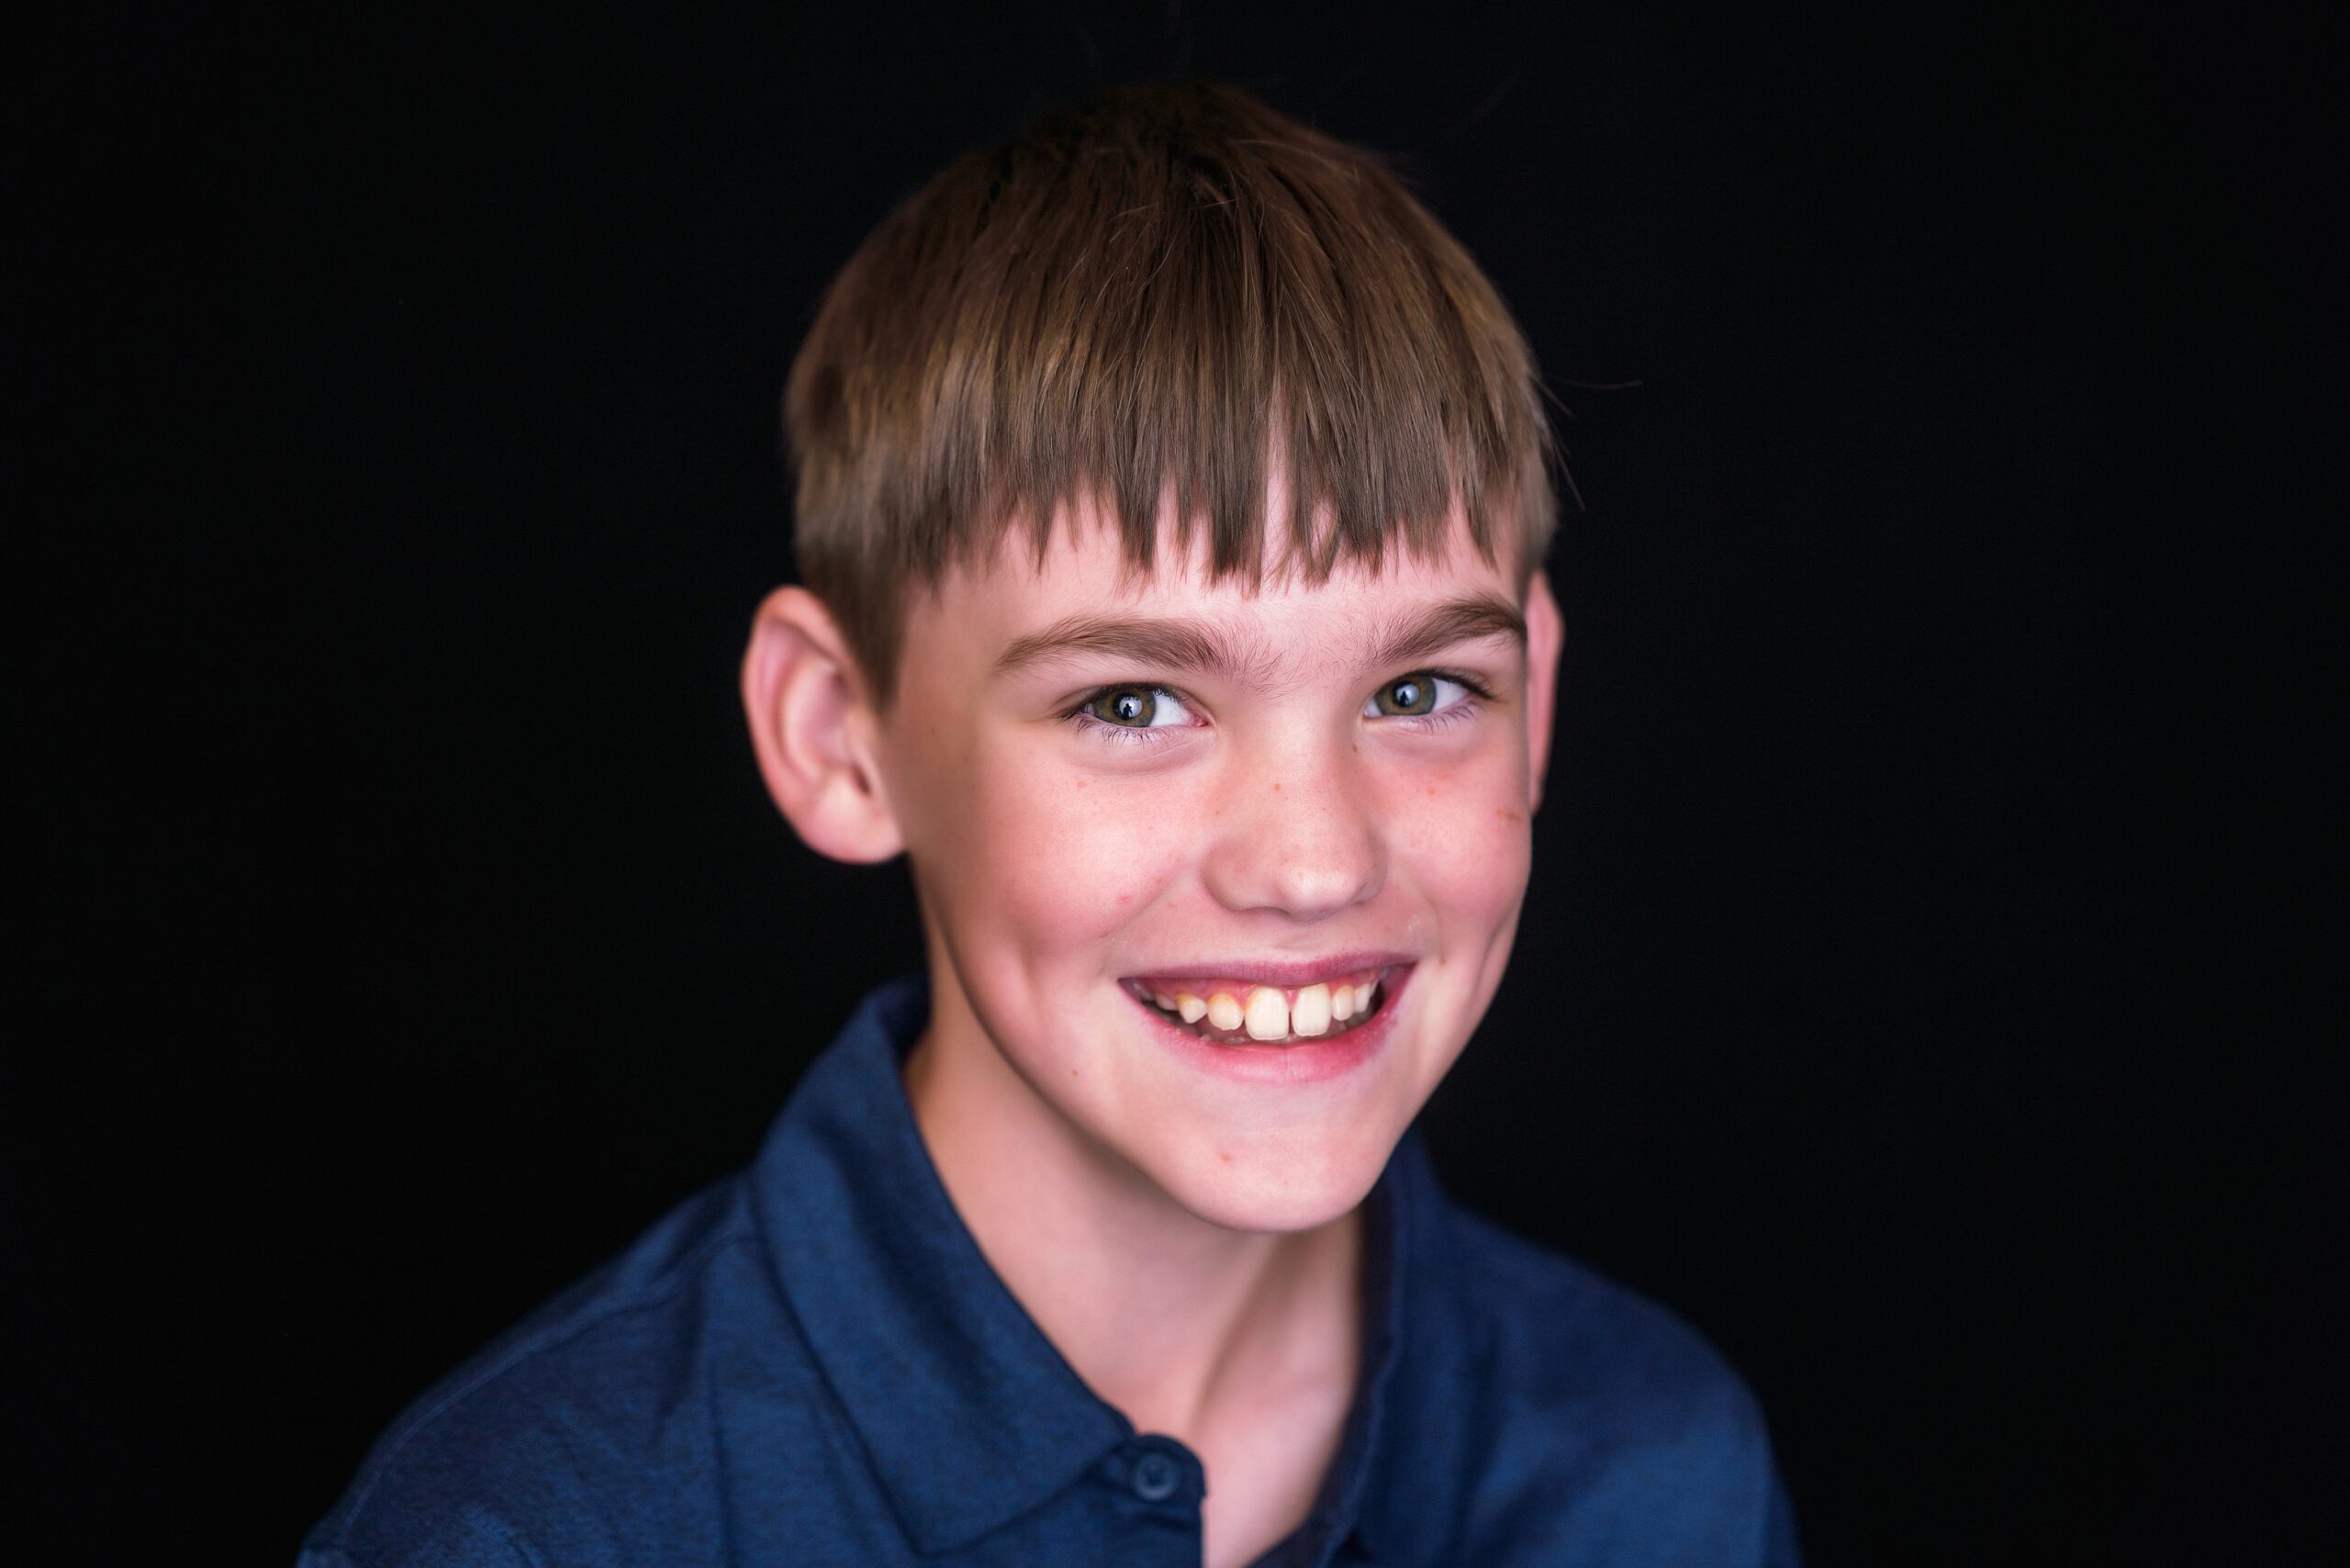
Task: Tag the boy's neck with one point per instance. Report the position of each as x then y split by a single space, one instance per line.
1188 1327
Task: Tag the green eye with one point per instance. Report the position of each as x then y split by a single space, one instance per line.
1129 707
1412 694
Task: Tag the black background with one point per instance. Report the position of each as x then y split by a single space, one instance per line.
1919 988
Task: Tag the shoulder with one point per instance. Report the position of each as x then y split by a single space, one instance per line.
544 1446
1609 1417
1564 1334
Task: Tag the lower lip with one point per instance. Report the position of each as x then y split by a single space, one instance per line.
1308 1061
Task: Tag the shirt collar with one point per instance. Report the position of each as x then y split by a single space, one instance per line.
1399 1477
1395 1485
972 1416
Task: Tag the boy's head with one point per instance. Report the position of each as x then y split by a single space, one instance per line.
1172 496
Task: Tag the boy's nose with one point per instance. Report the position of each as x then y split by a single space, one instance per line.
1299 838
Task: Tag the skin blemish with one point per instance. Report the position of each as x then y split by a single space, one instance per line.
1509 816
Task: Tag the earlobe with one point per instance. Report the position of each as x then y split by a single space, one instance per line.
810 727
1545 634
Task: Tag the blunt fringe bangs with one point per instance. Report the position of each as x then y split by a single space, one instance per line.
1150 296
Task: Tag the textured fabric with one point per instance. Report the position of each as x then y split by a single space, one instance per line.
813 1363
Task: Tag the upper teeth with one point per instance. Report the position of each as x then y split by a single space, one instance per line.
1265 1012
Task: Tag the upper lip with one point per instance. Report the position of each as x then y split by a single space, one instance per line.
1279 972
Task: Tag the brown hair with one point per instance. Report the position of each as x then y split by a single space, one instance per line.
1151 295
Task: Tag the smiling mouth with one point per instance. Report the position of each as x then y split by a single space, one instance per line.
1239 1012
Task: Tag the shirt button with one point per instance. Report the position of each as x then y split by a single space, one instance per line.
1156 1477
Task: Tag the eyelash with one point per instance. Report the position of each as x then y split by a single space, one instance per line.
1426 724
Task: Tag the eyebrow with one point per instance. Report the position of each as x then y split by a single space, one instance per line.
1197 646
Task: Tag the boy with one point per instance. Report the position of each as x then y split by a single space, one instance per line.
1172 500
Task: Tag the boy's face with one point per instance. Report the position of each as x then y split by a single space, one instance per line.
1118 790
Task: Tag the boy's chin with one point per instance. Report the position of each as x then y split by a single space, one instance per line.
1269 1193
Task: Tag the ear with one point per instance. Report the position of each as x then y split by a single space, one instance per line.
813 727
1545 633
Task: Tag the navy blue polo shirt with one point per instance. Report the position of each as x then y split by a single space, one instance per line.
813 1363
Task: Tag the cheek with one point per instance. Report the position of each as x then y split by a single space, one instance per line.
1463 835
1049 864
